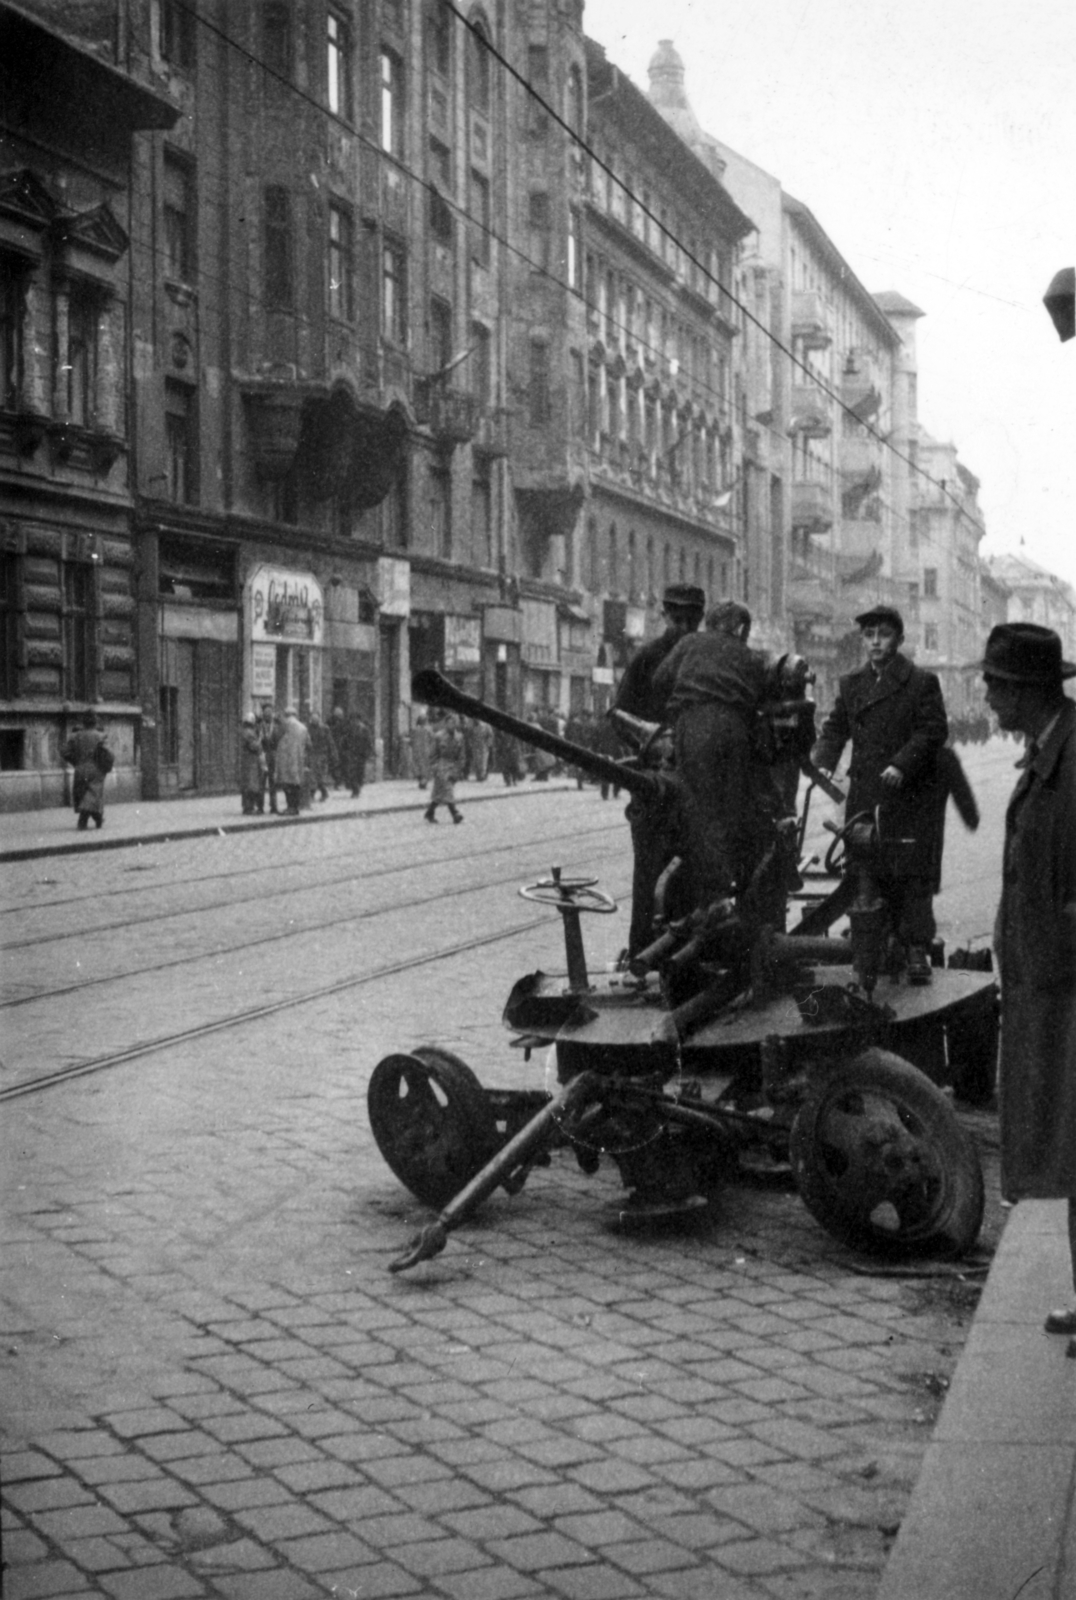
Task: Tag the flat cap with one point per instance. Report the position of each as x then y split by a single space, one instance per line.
687 596
888 614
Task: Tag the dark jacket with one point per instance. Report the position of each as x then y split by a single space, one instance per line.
1035 942
636 691
894 719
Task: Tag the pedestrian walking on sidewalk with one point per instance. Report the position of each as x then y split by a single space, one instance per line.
421 747
1035 932
91 758
252 766
448 759
323 757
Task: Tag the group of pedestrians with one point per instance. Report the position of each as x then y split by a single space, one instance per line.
282 754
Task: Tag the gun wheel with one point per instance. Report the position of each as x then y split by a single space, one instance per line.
881 1161
432 1122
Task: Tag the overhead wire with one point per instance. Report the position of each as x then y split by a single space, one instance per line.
512 248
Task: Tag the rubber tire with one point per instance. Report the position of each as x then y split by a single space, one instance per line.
463 1143
951 1225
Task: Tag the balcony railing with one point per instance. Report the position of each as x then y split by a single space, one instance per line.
810 411
812 506
859 457
452 415
810 323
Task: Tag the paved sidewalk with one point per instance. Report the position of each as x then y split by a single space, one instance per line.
992 1513
52 831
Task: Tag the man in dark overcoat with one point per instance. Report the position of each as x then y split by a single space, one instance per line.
1035 932
894 715
654 832
710 688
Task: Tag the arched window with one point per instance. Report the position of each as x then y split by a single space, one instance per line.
479 65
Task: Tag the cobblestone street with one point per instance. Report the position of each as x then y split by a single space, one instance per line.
212 1386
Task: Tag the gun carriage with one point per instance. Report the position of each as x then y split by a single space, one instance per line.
725 1040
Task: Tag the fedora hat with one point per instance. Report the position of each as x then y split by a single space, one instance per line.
1024 652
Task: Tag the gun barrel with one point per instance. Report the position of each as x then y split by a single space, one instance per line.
432 689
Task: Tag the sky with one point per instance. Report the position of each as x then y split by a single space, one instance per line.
935 142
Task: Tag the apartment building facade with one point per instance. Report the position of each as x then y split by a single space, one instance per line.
70 108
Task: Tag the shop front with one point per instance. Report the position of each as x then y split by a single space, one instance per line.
284 665
502 635
541 656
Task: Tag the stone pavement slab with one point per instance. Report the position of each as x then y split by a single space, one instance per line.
992 1516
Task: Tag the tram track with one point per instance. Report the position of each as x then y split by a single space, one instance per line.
262 895
251 1014
424 900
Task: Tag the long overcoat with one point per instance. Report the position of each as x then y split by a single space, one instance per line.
291 753
895 718
88 789
1035 943
251 760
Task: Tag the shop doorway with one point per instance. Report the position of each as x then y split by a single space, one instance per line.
388 658
199 715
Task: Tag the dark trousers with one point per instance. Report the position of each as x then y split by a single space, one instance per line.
293 793
713 757
911 908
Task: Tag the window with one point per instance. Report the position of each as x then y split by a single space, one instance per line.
441 164
481 365
338 64
930 583
573 105
80 367
613 565
574 254
480 219
392 103
276 38
177 34
478 69
9 616
341 263
77 630
12 315
394 292
439 37
279 280
538 387
482 520
440 218
930 636
440 485
179 436
538 78
179 234
440 336
540 230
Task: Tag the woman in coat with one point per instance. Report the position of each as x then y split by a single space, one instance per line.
252 766
448 759
420 750
88 790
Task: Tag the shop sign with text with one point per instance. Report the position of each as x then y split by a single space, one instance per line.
285 607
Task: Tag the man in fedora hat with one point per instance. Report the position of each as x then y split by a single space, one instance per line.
1035 931
894 715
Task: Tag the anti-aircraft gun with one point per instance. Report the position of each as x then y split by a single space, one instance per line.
725 1037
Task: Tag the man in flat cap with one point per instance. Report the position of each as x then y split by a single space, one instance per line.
894 715
1035 931
683 605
